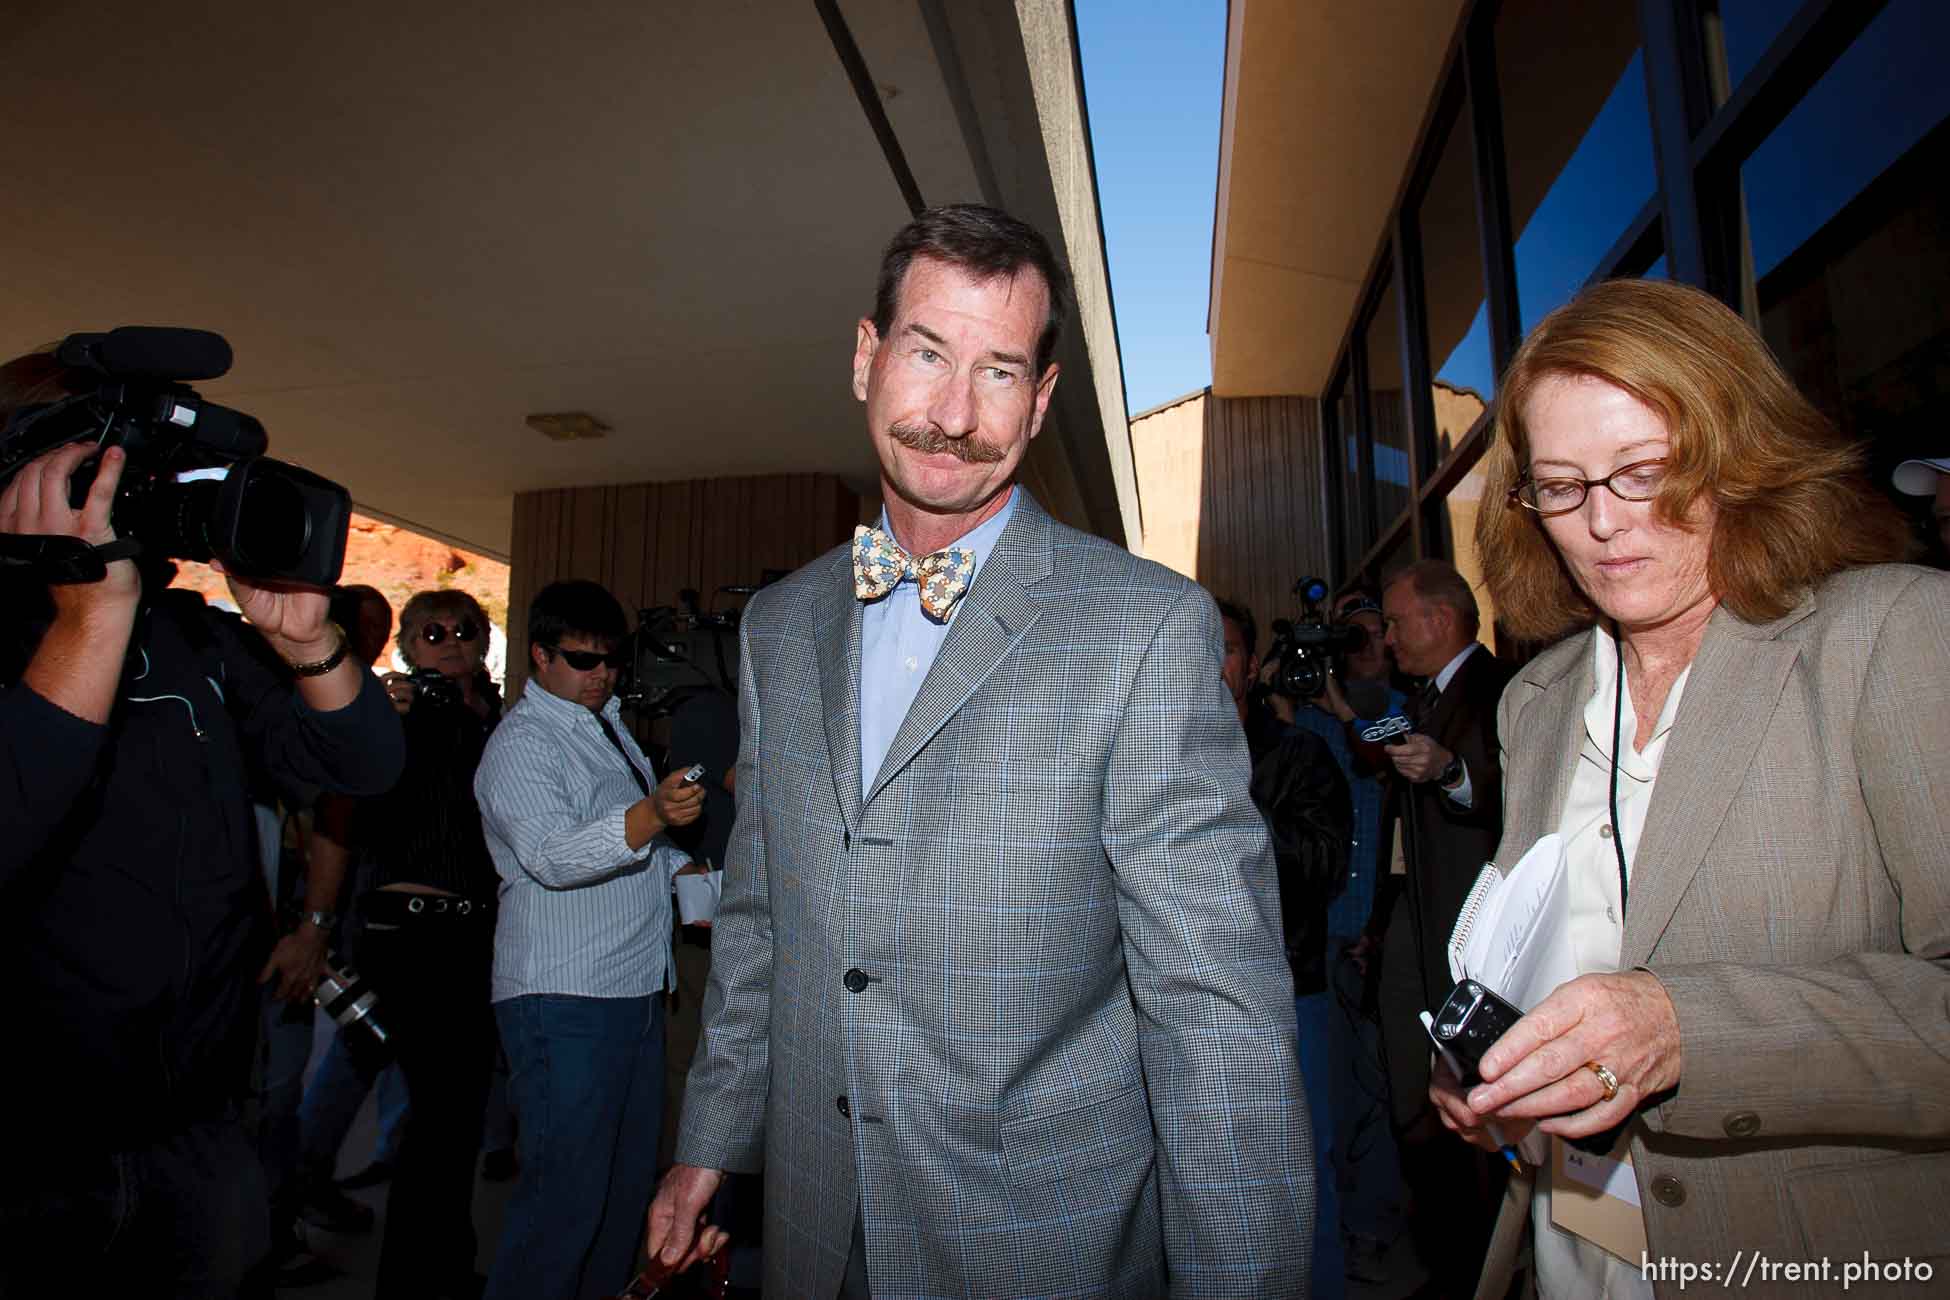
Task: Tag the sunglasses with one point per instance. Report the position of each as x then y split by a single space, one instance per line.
584 660
435 633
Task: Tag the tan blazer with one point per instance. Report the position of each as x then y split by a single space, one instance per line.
1792 893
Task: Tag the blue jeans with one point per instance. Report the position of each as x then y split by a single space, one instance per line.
1372 1196
283 1050
587 1080
332 1102
1320 1071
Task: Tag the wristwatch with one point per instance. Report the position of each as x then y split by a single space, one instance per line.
1451 773
323 920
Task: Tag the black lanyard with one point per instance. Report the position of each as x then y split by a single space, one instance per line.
1617 720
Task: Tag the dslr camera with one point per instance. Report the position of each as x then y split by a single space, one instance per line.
1303 652
433 687
196 485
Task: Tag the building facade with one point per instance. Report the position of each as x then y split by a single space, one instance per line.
1396 207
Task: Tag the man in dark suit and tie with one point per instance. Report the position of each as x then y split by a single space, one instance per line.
998 998
1444 816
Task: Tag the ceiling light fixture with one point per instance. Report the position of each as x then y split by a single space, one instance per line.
567 426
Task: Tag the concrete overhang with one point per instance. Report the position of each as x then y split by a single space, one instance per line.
1323 103
419 223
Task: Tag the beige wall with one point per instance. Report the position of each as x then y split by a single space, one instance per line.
647 541
1233 496
1166 446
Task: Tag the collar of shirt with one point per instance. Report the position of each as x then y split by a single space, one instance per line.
1448 673
1640 764
569 713
978 539
569 716
898 643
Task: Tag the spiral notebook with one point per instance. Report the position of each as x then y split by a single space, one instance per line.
1513 933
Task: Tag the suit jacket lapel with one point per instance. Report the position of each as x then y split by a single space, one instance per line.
838 635
1559 714
1441 722
993 616
1730 698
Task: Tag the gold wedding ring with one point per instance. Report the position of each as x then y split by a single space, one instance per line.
1605 1077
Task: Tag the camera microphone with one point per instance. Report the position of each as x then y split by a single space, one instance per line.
149 352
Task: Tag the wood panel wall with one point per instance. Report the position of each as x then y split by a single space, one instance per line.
1262 518
648 541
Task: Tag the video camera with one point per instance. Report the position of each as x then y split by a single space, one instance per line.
1303 653
196 485
669 642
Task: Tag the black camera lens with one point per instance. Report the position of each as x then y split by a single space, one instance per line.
273 528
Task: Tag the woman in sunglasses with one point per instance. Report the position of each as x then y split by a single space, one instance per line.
428 945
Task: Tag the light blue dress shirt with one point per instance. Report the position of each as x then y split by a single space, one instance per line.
582 913
898 643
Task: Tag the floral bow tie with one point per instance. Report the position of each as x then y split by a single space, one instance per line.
879 564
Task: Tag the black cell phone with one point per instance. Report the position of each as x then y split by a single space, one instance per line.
1470 1019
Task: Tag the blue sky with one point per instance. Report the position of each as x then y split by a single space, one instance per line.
1153 72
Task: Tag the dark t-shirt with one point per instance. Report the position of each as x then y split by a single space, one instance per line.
427 829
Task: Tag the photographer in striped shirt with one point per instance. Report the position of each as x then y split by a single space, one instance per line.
575 815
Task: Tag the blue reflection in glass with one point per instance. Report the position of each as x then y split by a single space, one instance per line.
1603 186
1748 27
1468 366
1883 94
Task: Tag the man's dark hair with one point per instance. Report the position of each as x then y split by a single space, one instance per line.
1438 583
348 600
1248 625
575 607
984 242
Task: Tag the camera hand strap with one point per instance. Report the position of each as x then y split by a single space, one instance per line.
65 560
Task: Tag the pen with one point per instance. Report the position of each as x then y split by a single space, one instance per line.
1504 1149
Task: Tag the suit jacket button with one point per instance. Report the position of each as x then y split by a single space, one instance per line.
855 980
1668 1191
1742 1124
845 1107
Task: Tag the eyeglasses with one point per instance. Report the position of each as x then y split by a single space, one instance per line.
584 660
1560 494
434 633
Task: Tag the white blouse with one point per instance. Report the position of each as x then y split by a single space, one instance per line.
1569 1267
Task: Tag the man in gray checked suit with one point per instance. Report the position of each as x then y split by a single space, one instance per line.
998 998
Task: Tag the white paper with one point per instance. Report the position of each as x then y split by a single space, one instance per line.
1518 943
1613 1178
697 896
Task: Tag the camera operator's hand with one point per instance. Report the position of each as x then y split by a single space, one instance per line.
1330 700
400 690
296 963
293 620
37 503
78 664
1418 758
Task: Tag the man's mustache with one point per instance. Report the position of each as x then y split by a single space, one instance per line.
930 440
